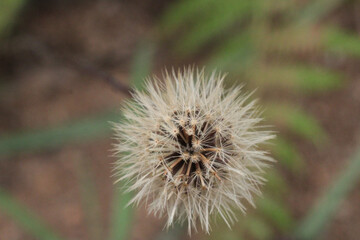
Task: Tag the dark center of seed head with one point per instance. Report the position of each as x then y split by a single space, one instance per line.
193 160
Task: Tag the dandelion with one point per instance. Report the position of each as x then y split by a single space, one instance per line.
189 148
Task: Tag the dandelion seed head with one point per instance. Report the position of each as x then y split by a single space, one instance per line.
190 149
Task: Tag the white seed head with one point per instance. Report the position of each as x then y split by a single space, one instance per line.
190 149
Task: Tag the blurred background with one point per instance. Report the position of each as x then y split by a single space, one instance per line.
65 67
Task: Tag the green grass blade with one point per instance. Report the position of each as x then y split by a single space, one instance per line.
276 184
276 212
317 9
180 12
311 79
142 63
306 126
9 10
121 216
50 138
257 228
342 42
90 199
287 155
25 218
222 16
297 121
299 78
320 216
234 53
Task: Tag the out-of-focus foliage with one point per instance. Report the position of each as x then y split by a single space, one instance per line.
317 219
302 79
296 121
77 131
122 214
342 42
270 46
265 43
142 63
9 10
287 155
25 218
89 198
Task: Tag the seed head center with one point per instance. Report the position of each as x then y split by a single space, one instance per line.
197 157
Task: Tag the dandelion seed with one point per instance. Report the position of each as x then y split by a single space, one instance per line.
190 148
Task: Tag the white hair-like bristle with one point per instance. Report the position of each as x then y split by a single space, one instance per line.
189 148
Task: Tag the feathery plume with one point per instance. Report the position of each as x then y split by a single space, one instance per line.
189 148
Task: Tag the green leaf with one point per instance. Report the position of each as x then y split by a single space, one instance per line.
25 218
304 79
317 80
276 184
287 154
216 20
121 216
258 228
89 197
9 10
339 41
306 126
317 9
276 212
142 64
234 54
298 121
321 214
180 12
50 138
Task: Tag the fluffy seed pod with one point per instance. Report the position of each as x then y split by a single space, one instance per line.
189 148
